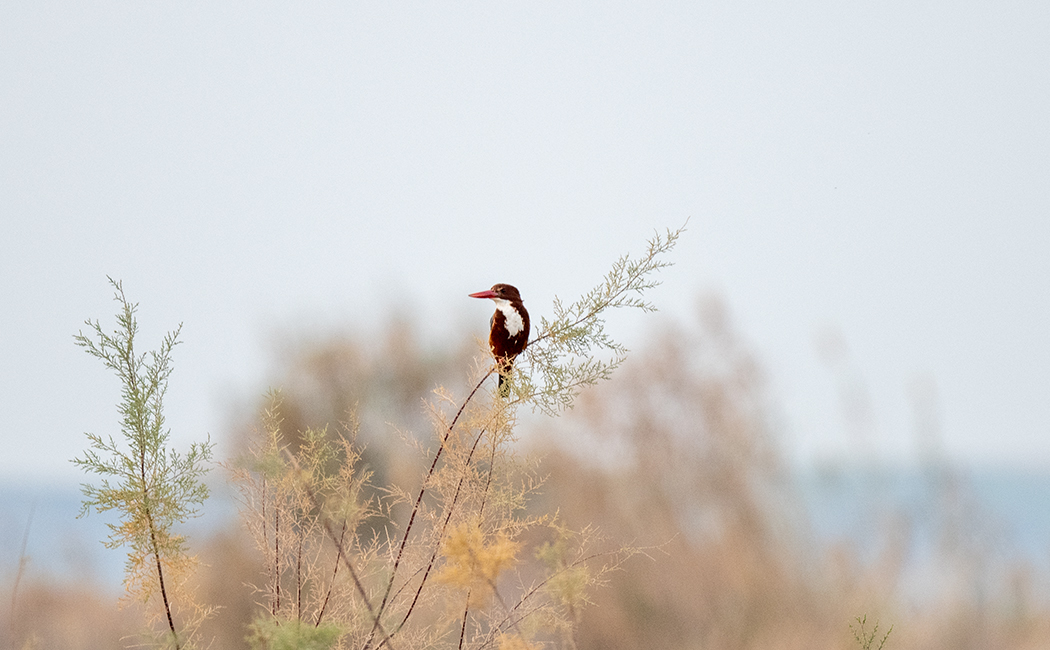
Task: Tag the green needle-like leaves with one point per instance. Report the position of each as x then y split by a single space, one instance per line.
562 354
150 486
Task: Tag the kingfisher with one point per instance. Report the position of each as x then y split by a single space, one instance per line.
509 328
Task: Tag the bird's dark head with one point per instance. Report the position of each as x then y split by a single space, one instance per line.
499 292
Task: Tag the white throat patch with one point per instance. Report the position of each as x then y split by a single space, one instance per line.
510 315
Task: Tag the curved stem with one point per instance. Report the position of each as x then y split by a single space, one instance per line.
160 578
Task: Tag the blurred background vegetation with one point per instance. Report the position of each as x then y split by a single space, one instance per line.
678 454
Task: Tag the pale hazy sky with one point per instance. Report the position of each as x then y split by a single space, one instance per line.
880 170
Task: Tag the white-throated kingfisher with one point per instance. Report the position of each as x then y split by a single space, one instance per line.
508 328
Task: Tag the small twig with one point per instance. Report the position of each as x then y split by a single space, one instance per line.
299 579
276 602
463 627
265 533
331 585
488 482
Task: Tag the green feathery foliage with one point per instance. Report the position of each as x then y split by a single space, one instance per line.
152 487
865 639
562 354
273 634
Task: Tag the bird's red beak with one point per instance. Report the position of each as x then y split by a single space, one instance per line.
484 294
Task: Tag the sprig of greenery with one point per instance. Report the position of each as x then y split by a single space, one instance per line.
562 354
866 640
272 634
152 487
